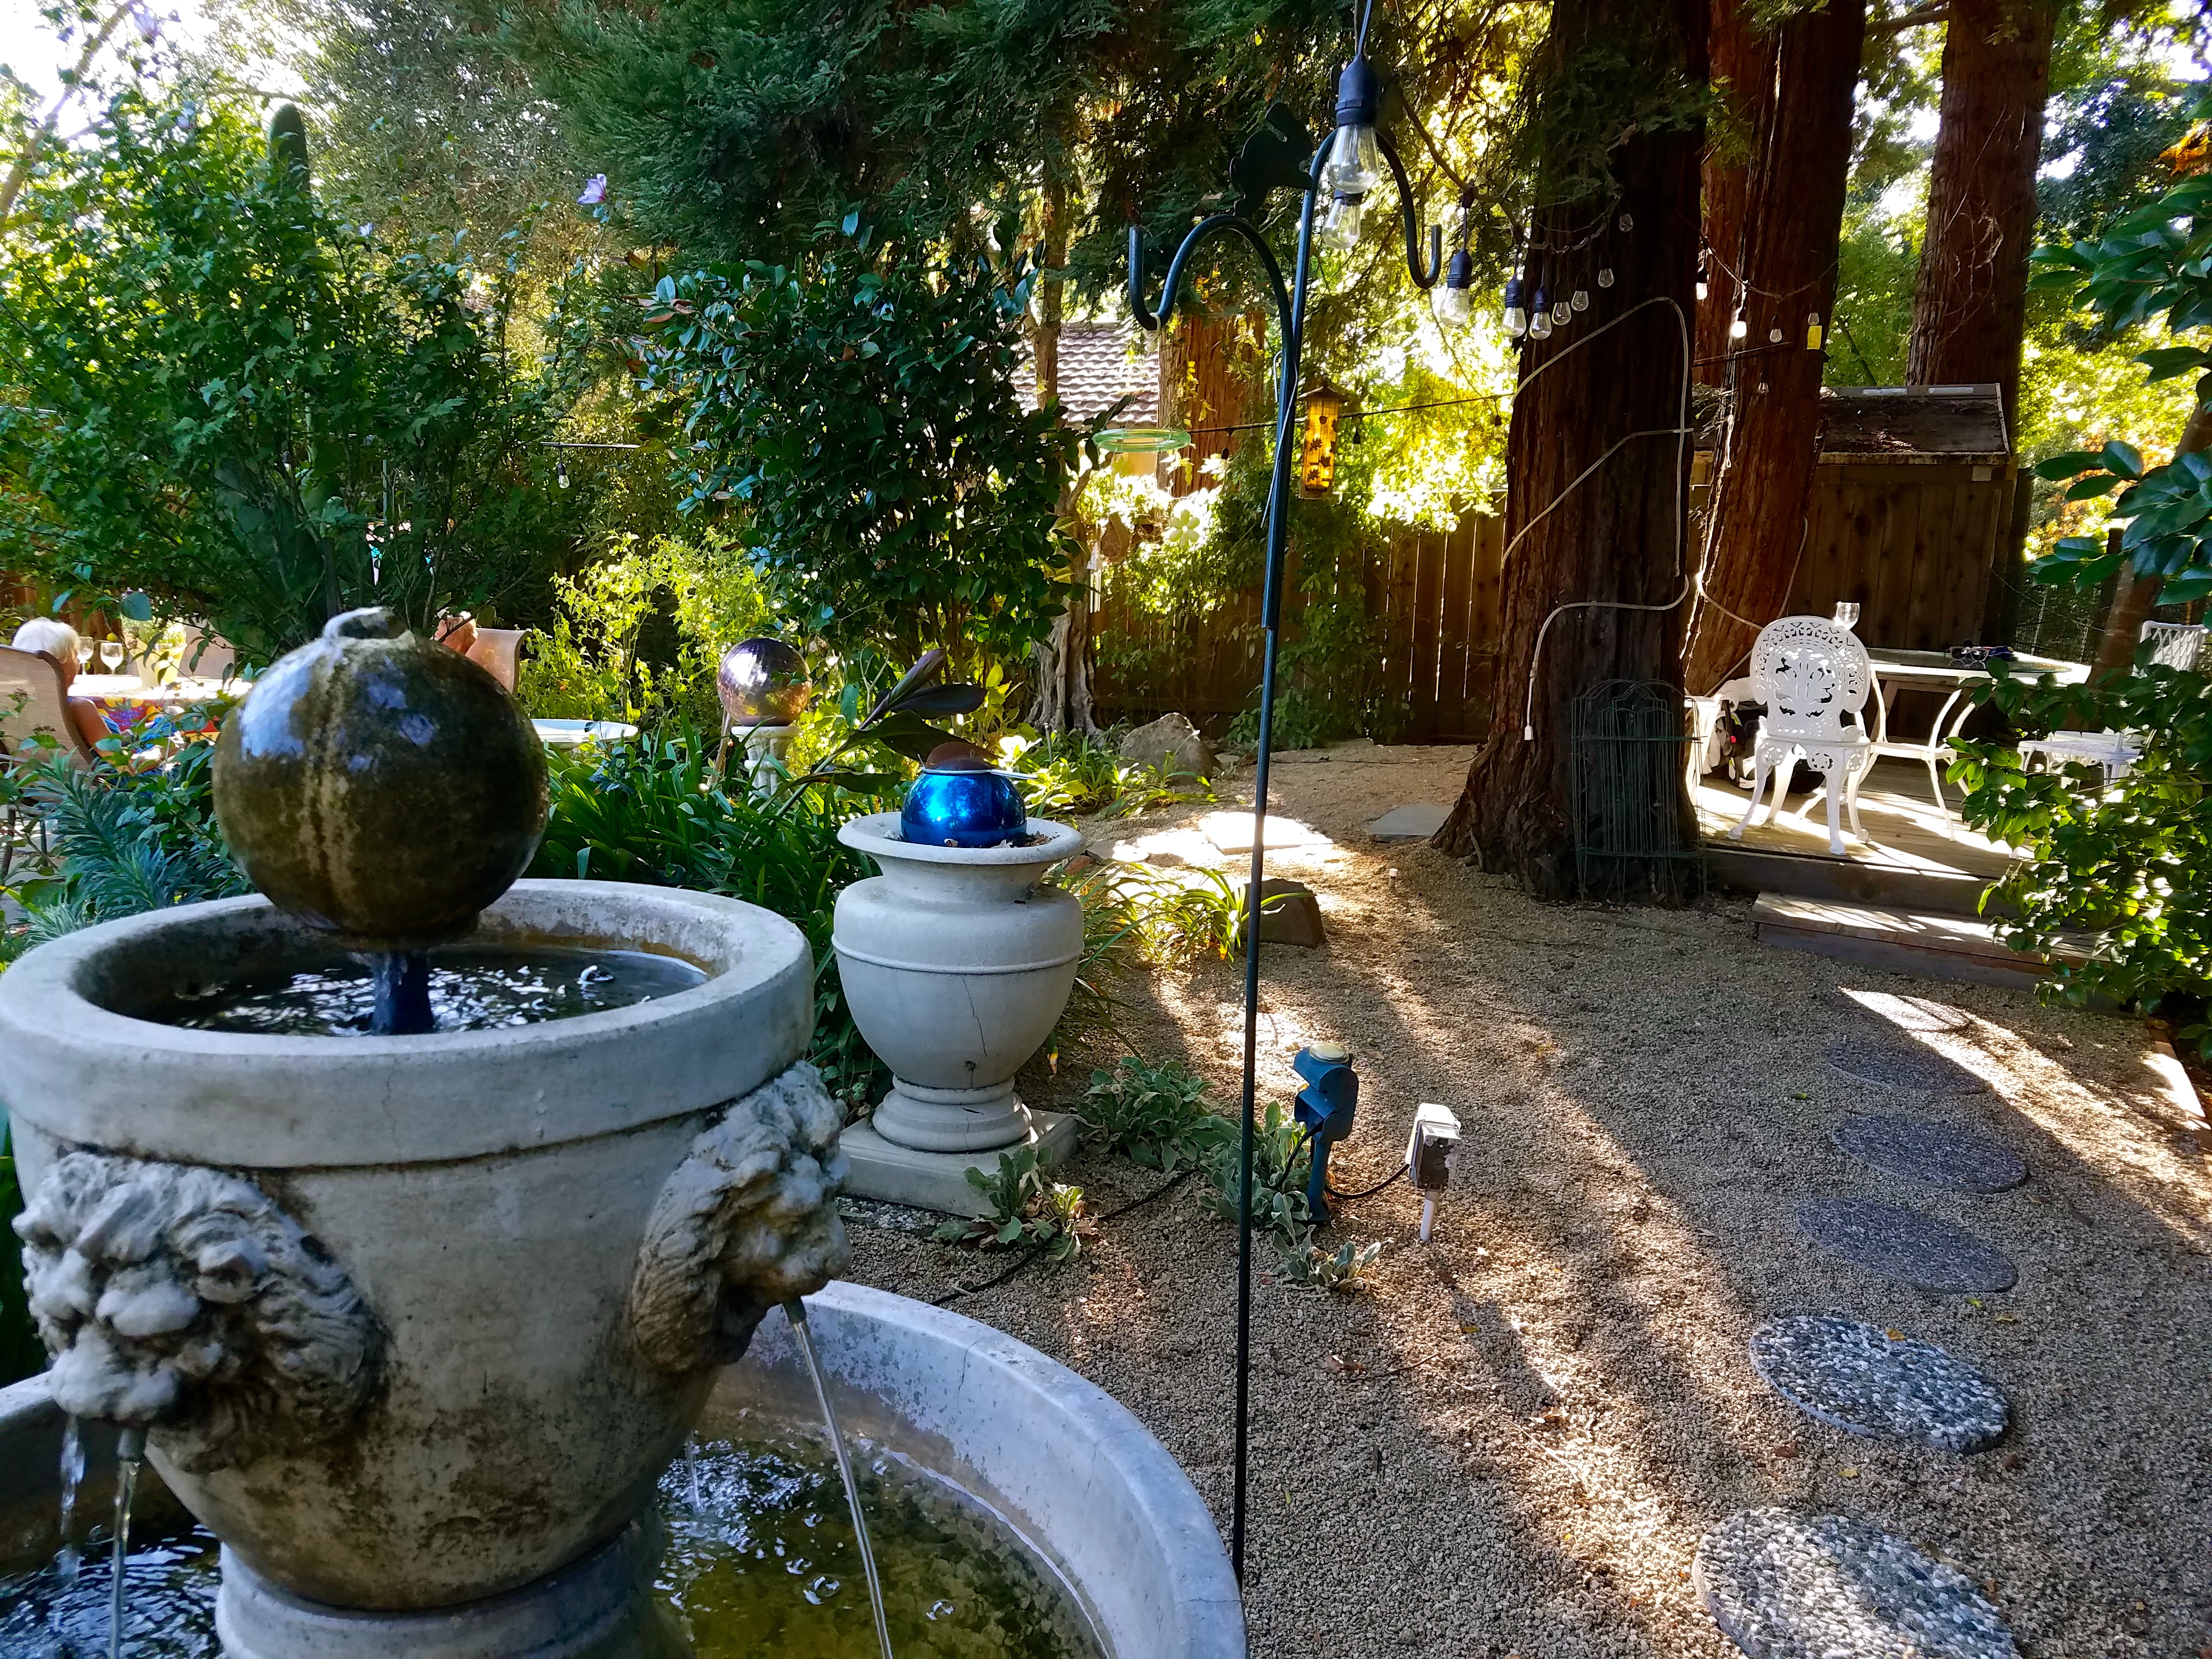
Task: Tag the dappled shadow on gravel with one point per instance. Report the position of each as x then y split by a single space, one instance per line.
1511 1441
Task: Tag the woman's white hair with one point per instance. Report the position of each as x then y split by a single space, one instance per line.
50 635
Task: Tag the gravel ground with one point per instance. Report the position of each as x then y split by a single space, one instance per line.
1511 1441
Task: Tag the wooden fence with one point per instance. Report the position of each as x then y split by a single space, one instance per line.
1436 596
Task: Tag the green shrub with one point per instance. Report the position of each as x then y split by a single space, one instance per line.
1157 1115
2133 864
128 841
1028 1209
1280 1167
659 811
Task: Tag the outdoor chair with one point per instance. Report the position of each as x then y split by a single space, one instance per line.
1813 676
35 728
500 650
2173 645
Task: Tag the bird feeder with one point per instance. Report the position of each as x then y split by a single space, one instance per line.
1317 457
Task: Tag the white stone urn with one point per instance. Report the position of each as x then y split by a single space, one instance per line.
956 962
414 1324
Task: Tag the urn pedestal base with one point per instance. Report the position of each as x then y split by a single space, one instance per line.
884 1170
601 1607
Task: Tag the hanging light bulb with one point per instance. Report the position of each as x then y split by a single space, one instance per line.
1774 336
1704 287
1738 329
1813 335
1516 315
1562 313
561 473
1355 159
1539 318
1453 298
1340 232
1605 275
1581 301
1627 221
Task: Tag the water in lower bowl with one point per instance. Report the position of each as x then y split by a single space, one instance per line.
473 987
761 1564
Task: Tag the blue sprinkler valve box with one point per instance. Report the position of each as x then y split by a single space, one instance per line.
1324 1109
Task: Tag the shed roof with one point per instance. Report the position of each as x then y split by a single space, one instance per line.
1100 363
1908 425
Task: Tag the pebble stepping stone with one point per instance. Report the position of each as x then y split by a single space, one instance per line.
1782 1585
1417 822
1863 1380
1904 1245
1934 1154
1901 1065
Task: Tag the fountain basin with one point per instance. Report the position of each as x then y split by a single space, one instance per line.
413 1320
1066 1466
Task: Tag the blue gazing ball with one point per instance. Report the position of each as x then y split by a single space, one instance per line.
962 806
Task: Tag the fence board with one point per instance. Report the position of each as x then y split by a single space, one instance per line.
1452 689
1427 633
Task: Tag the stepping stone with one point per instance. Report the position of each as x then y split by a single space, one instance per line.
1934 1154
1232 832
1415 822
1782 1585
1865 1381
1901 1065
1904 1245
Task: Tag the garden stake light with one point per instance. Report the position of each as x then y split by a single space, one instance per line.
1344 167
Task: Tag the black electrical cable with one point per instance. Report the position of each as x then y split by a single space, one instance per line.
1034 1251
1345 1198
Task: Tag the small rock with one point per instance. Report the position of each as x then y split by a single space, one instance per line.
1172 745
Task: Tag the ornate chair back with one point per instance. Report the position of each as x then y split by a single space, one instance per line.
2175 645
34 715
1810 674
500 650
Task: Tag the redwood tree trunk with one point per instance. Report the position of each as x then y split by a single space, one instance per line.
1801 161
1617 539
1743 57
1970 305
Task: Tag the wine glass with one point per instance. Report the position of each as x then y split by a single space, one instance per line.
83 655
111 654
1847 614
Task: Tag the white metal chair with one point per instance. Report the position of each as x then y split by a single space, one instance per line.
2175 645
35 728
1813 676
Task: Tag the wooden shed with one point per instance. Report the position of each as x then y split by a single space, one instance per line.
1915 499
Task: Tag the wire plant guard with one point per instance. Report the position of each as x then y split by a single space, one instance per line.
1626 739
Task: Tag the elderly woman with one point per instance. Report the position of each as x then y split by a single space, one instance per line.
59 641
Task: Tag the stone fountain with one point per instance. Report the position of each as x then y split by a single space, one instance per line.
414 1320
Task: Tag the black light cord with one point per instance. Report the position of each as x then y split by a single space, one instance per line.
1369 1191
1035 1250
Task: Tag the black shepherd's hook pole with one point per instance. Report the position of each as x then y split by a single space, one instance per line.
1289 320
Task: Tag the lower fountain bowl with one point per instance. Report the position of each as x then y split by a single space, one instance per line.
1068 1469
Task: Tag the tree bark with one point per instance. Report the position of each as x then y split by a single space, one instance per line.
1744 59
1059 664
1800 162
2138 596
1616 540
1970 305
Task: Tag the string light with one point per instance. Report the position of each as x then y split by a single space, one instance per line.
1774 336
1562 313
1605 275
1740 328
1539 318
1581 301
1517 315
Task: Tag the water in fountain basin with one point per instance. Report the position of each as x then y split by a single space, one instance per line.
765 1568
471 988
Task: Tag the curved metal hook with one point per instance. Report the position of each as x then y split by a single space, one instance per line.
1149 321
1422 277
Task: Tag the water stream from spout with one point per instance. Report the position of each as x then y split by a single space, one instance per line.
65 1562
691 1470
402 1007
795 1311
130 1452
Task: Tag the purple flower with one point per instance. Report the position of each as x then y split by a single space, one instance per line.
595 190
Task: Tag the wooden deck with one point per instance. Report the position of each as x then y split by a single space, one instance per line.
1906 861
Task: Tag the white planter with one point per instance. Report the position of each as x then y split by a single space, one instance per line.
415 1320
956 962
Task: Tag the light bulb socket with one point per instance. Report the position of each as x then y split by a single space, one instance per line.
1459 273
1358 95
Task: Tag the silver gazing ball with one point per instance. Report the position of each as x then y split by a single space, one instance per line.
762 682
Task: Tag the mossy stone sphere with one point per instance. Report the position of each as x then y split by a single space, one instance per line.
377 785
